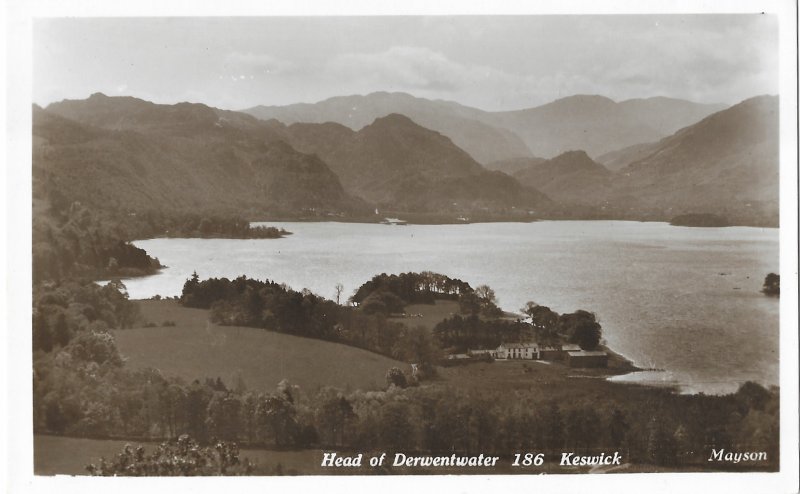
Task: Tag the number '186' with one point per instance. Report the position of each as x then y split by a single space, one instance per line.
528 459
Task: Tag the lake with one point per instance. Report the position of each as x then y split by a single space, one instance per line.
685 300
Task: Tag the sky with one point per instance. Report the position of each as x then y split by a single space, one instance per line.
489 62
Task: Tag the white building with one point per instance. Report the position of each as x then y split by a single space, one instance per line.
522 351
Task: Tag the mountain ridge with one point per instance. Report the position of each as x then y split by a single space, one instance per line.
593 123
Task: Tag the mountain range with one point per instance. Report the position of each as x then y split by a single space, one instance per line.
127 154
592 123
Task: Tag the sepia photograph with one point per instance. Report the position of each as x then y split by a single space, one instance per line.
519 247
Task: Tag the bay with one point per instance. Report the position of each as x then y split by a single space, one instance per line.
683 300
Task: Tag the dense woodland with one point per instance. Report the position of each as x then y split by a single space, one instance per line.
73 241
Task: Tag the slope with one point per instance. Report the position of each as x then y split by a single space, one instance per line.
125 154
569 178
398 164
727 164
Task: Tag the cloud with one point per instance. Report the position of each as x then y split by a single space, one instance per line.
426 72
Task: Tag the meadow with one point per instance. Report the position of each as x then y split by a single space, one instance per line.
194 348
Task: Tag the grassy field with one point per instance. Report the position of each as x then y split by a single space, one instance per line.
195 349
428 315
547 380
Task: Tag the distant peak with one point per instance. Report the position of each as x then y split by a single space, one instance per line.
389 93
98 95
574 154
576 159
394 119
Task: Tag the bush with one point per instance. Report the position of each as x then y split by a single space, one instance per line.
183 457
395 377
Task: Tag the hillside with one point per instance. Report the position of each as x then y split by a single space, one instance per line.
130 155
465 126
618 159
513 165
569 178
667 115
195 349
398 164
727 164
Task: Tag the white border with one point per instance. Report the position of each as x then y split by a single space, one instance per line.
16 296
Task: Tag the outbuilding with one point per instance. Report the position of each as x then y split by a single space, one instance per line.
582 358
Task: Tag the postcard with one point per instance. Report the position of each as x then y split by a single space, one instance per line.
508 248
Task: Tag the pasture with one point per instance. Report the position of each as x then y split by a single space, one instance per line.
195 349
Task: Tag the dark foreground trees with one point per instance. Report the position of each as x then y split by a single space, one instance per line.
182 457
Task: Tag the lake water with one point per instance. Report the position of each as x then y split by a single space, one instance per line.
685 300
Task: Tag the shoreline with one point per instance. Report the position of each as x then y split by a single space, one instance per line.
439 219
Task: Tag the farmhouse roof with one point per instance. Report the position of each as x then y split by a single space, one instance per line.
584 353
519 345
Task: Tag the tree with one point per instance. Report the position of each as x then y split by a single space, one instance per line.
618 428
339 290
772 285
224 417
396 429
416 345
587 335
197 399
395 377
61 330
553 428
488 301
276 416
661 445
544 321
334 417
581 327
95 346
486 294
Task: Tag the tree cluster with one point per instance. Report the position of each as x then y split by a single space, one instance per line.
462 333
76 242
210 225
265 304
63 311
413 288
546 326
